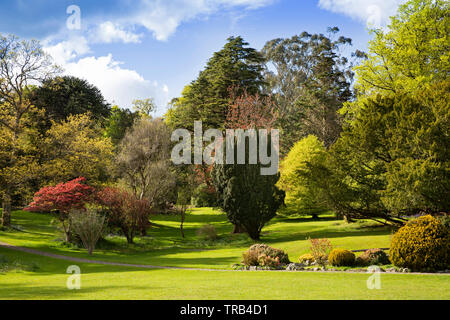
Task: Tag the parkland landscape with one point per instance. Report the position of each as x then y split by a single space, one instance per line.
106 202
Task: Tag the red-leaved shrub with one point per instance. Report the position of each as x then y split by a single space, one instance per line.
61 199
125 211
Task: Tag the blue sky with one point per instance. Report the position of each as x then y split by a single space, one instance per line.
153 48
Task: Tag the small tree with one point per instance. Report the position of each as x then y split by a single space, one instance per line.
302 194
61 199
320 249
89 226
183 202
125 211
143 161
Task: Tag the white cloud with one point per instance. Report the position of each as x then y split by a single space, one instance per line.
67 50
163 17
108 32
374 13
118 85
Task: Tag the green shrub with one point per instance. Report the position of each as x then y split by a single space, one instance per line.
252 256
203 197
341 258
422 244
306 258
3 259
372 257
207 232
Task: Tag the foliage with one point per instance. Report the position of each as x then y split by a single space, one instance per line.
118 123
422 244
249 198
393 159
75 147
306 258
89 226
412 52
207 232
341 257
207 97
372 257
320 249
302 195
74 194
62 198
125 211
310 83
265 254
144 162
144 107
22 64
64 96
203 197
250 111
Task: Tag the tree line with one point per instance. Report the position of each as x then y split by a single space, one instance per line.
363 135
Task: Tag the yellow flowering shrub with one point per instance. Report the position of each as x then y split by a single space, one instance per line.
341 257
422 244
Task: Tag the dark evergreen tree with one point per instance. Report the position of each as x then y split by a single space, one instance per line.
249 198
67 95
207 97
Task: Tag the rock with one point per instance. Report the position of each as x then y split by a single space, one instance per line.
253 268
295 267
316 269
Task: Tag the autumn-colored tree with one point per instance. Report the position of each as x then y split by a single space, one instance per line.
250 111
125 211
62 198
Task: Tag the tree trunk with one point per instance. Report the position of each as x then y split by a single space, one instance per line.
183 215
348 219
6 214
238 228
315 217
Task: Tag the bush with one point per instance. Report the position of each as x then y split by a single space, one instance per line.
372 257
207 232
3 259
306 258
125 211
341 258
252 256
422 244
89 226
203 197
267 261
320 248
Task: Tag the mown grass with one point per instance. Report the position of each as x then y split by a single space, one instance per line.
36 277
108 282
164 246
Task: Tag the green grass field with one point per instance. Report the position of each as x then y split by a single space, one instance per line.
45 278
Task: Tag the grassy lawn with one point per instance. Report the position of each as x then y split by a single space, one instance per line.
164 245
106 282
45 278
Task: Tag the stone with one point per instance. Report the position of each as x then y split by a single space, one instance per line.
295 267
